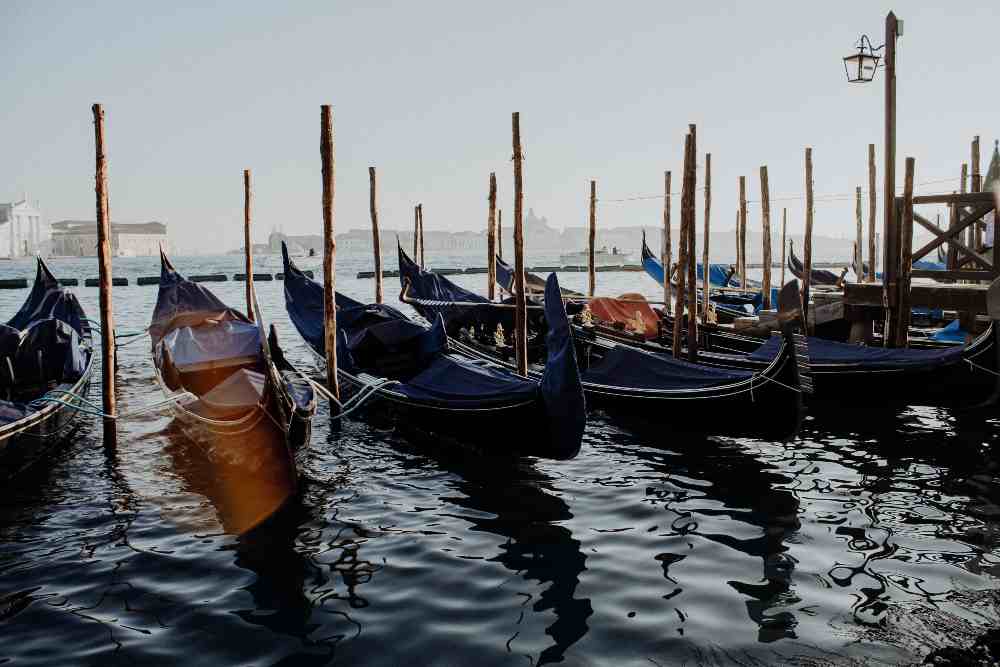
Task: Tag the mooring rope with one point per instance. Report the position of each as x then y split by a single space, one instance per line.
86 406
982 368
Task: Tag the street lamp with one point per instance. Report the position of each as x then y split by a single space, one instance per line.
860 67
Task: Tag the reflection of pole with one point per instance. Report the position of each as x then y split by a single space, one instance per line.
890 266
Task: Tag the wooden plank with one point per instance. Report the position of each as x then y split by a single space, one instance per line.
951 235
968 274
969 198
950 297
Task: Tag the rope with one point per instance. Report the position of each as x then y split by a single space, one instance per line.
86 406
973 364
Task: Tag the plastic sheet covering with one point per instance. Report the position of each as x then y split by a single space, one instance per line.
637 317
823 351
50 352
48 300
628 367
953 333
237 394
212 342
460 381
562 389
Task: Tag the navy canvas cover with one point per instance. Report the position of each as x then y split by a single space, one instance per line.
624 366
562 389
459 381
823 351
10 339
49 352
534 284
48 300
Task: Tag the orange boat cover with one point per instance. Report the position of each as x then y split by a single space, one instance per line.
629 309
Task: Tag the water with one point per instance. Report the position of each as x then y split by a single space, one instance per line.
869 537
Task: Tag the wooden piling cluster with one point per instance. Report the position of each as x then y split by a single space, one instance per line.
109 357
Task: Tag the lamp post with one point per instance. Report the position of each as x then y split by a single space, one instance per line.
860 67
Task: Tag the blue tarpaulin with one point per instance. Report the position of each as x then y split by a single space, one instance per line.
624 366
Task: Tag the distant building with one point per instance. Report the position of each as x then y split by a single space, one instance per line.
78 238
24 228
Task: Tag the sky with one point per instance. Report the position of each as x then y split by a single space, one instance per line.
424 92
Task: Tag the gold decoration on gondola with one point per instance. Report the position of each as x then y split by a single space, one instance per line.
498 336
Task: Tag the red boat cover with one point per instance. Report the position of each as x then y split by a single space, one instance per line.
629 309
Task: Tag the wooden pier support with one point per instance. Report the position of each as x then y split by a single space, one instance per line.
109 357
491 240
784 243
591 241
688 209
326 152
247 242
420 218
666 257
858 248
807 242
890 230
706 284
416 234
376 238
976 231
682 260
872 211
500 233
520 311
742 224
905 257
765 218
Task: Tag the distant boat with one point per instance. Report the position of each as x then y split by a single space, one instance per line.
601 258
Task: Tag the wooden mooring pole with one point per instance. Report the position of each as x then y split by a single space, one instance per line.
872 212
520 319
784 243
890 231
326 153
975 231
491 240
706 284
743 233
591 241
500 233
687 199
247 240
420 217
376 238
682 260
666 257
765 218
859 261
905 257
807 242
416 234
109 355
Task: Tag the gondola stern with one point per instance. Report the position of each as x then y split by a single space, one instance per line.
561 386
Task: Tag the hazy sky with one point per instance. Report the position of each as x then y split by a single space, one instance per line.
424 91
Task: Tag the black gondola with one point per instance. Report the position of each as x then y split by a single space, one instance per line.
819 276
233 392
45 370
650 389
409 372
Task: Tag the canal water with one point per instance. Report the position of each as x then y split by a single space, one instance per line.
872 537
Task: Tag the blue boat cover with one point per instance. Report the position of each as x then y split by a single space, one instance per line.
562 388
953 333
461 382
48 300
624 366
823 351
214 341
717 273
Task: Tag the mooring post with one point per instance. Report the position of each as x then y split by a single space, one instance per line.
682 260
247 242
784 243
736 269
376 238
872 206
890 232
420 217
859 261
743 233
591 240
690 183
326 152
491 239
500 233
975 231
765 218
108 352
807 242
706 285
666 257
905 256
416 234
520 319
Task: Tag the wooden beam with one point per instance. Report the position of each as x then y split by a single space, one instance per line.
905 256
491 239
950 297
109 354
858 250
520 319
784 243
950 235
890 232
706 283
966 199
742 268
376 238
807 243
682 260
765 219
326 152
591 241
871 214
690 183
247 241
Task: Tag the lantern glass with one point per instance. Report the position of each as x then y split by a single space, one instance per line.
860 67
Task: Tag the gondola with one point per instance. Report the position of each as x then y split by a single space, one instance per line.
648 389
819 276
45 370
229 386
407 372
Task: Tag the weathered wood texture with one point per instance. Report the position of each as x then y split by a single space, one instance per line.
376 239
666 257
591 241
890 232
742 249
690 183
682 259
858 247
520 319
109 356
706 284
326 152
784 242
872 212
765 220
905 256
491 240
247 241
807 242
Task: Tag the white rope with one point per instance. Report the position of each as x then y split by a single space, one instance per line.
982 368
